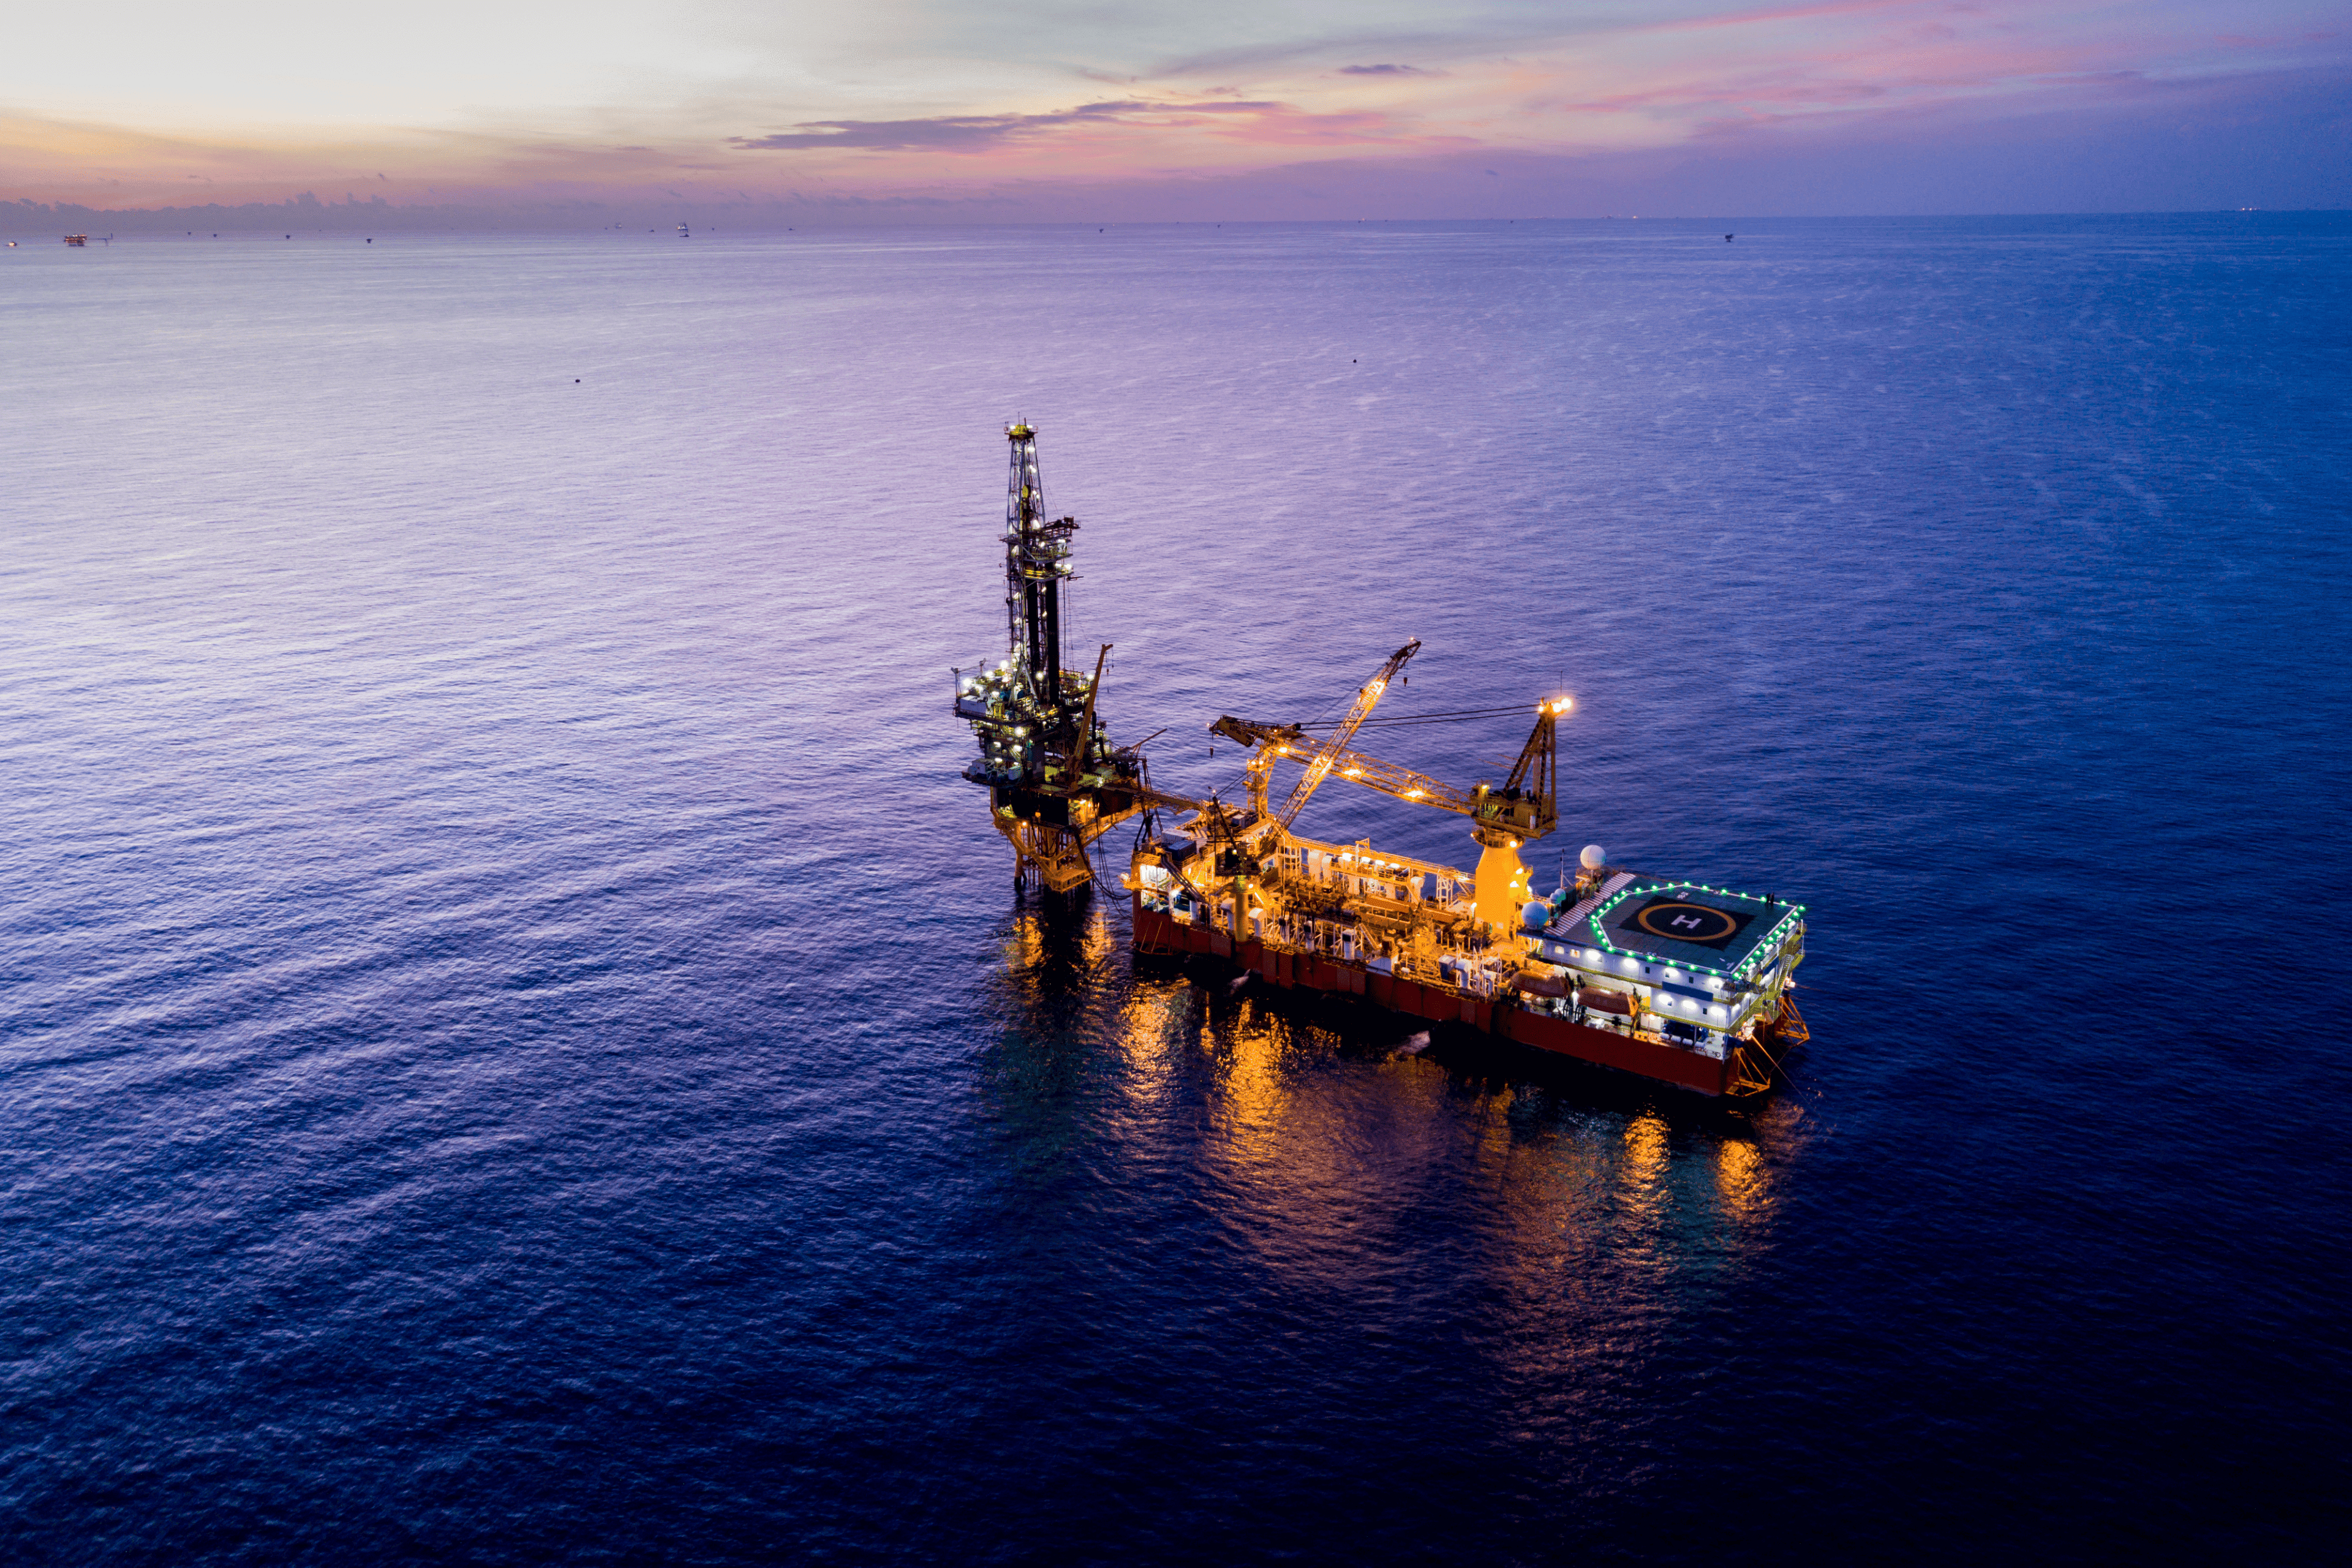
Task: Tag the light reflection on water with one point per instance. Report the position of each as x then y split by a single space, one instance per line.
1573 1220
1743 1181
501 963
1252 1134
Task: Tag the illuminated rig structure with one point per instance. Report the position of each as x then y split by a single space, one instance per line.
1677 981
1055 784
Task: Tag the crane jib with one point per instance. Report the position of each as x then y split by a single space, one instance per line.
1524 809
1366 699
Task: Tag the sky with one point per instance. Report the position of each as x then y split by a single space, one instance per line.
1065 109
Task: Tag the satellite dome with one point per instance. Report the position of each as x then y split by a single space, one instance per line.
1535 915
1593 858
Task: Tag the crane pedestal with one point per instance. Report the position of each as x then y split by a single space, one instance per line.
1501 881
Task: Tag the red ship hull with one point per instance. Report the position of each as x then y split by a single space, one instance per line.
1157 932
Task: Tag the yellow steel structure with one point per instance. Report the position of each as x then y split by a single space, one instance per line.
1319 766
1430 942
1526 809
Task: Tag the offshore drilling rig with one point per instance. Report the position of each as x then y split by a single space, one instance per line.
1055 784
1677 981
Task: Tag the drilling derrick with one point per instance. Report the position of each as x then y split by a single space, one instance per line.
1055 782
1036 559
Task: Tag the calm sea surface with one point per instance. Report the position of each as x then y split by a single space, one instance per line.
519 1047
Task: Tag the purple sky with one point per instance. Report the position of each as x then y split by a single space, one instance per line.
908 110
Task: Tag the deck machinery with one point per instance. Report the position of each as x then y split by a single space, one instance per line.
1055 782
1677 981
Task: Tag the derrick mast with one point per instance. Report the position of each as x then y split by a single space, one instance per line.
1055 782
1037 560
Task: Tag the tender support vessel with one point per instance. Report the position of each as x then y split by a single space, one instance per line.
1681 982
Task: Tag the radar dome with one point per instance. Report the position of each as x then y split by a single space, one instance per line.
1593 858
1535 915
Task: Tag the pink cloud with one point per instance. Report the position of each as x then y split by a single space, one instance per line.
1685 84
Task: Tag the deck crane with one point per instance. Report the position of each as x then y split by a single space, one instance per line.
1242 842
1318 762
1526 809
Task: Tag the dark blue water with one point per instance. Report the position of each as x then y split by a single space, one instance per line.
519 1047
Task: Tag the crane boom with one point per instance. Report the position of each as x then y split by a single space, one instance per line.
1288 740
1525 807
1079 747
1319 766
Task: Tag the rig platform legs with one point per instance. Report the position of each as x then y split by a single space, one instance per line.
1058 855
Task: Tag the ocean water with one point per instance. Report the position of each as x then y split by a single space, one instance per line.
519 1047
